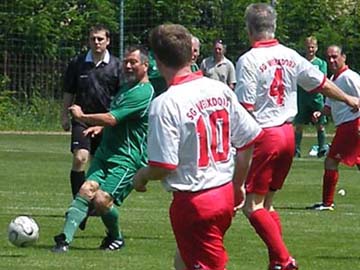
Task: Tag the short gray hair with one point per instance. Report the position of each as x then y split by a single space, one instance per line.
260 19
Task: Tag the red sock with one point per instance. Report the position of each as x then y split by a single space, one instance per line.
330 180
268 230
276 217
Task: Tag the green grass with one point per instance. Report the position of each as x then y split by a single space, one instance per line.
34 181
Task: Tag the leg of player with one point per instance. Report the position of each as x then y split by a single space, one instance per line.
104 205
266 223
298 139
321 136
77 174
330 179
75 214
178 261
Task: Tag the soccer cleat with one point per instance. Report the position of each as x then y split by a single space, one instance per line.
322 207
321 153
291 265
60 244
111 244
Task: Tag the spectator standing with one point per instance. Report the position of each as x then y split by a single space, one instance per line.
192 127
121 153
195 53
345 146
308 103
90 81
267 78
218 67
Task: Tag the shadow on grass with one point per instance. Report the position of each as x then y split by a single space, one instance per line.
12 256
343 258
49 215
306 208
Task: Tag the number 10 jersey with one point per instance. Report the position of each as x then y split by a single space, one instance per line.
193 129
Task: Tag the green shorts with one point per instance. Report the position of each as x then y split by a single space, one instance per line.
306 106
113 178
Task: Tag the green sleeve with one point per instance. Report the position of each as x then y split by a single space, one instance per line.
133 103
323 67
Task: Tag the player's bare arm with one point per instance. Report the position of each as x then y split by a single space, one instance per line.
65 119
144 175
100 119
242 165
332 91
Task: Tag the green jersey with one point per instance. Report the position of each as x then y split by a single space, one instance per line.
309 102
155 77
194 67
125 143
306 96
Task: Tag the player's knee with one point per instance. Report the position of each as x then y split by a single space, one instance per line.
89 189
80 158
331 164
102 202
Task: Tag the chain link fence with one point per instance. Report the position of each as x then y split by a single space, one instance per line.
36 48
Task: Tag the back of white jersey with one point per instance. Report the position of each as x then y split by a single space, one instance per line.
267 78
349 81
192 128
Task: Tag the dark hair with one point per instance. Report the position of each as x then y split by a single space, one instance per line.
99 27
172 45
219 41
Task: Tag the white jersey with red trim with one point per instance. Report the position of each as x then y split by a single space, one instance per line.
267 78
192 129
349 81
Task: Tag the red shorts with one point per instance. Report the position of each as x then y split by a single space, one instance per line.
345 146
199 221
272 159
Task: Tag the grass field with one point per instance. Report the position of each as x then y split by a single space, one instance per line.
34 181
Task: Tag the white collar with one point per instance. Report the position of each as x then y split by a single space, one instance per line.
105 60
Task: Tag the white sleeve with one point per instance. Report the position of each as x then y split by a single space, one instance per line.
163 136
244 128
246 85
232 77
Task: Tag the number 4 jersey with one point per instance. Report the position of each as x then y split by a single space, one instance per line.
193 128
267 78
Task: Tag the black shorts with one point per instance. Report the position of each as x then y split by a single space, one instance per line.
79 141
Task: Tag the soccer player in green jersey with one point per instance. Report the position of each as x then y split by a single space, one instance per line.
121 153
310 102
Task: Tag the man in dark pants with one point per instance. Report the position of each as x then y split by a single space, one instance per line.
90 81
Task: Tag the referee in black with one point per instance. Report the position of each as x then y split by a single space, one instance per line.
90 81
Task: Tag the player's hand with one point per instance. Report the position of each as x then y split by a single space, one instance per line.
76 111
354 103
315 116
139 182
239 197
93 131
65 121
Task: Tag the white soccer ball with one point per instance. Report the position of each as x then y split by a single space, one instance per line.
23 231
342 192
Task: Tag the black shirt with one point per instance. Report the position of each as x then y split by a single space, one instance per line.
93 86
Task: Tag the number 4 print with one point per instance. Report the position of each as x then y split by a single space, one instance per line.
277 88
217 140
